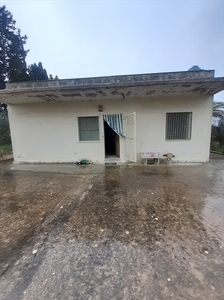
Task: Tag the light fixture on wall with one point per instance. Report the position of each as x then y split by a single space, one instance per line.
100 107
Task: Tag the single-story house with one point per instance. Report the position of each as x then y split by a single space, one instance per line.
113 117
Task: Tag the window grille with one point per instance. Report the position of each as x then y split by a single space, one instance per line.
178 126
88 128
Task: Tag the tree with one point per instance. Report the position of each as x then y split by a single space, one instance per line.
37 72
50 77
53 78
13 66
12 53
218 110
217 136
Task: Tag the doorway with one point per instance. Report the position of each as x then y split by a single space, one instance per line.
112 142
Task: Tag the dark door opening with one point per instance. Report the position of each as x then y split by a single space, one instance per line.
111 138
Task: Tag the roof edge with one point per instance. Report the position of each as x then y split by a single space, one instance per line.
115 80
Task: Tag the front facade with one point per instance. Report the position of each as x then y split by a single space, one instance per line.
65 121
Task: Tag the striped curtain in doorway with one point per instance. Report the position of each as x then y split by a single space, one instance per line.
115 122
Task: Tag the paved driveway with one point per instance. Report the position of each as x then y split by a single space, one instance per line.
115 232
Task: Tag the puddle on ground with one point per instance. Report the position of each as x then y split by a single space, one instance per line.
131 228
138 209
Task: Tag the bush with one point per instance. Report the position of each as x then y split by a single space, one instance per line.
6 149
217 149
5 137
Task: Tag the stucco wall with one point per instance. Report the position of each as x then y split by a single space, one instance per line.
48 132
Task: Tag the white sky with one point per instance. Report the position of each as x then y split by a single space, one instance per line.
98 38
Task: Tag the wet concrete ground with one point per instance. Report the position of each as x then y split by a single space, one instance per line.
114 232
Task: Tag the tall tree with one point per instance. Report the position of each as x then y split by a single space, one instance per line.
12 53
37 72
13 66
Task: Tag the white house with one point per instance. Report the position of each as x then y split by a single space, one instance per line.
67 120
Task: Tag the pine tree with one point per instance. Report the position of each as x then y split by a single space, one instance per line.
37 72
12 53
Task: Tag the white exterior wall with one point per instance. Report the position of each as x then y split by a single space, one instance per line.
48 132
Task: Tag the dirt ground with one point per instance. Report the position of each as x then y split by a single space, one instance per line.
112 232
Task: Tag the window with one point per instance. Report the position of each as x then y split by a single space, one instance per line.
178 126
88 128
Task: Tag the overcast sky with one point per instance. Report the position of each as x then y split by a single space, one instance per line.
98 38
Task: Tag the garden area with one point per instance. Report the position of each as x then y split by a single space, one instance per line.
5 137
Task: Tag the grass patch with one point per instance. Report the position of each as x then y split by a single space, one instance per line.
6 149
218 149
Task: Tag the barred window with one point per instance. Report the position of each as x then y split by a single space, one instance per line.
178 126
88 128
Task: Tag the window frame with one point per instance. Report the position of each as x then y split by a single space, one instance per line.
78 129
189 126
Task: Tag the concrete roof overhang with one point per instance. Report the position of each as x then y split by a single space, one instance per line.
114 87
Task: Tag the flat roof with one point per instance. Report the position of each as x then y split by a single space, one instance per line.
200 82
